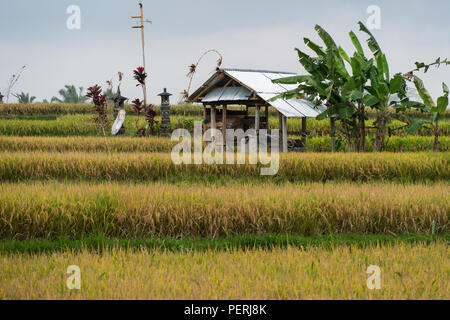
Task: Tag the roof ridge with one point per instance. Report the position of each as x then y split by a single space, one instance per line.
250 70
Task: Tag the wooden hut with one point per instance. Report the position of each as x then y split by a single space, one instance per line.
252 89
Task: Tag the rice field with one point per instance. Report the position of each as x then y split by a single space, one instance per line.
165 145
406 167
42 109
82 125
141 227
54 210
407 272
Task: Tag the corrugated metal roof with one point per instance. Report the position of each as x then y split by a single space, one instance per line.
260 83
227 94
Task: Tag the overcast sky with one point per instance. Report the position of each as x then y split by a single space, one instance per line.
257 34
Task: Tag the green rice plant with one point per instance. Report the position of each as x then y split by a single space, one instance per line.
74 125
165 145
83 108
53 210
176 110
321 128
85 144
82 125
393 144
100 243
64 126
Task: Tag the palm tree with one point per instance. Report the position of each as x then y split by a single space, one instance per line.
25 98
70 95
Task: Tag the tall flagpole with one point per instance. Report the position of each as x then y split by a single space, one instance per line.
141 26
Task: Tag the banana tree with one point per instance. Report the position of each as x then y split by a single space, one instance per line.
383 92
325 83
343 92
436 110
25 98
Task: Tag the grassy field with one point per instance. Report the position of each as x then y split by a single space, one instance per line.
83 125
406 167
54 210
408 272
43 109
154 144
99 244
141 227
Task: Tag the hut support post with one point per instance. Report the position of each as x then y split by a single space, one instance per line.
280 125
213 123
204 118
333 133
257 121
267 117
304 126
285 135
224 125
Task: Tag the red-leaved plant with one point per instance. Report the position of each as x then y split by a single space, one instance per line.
140 75
150 115
101 107
140 108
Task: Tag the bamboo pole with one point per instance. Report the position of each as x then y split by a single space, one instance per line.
141 26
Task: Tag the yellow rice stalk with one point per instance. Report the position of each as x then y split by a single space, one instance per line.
293 167
407 272
52 210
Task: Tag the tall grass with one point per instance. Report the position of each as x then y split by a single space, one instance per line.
408 272
63 126
74 125
321 128
99 243
83 125
393 144
293 167
155 144
84 108
85 144
51 211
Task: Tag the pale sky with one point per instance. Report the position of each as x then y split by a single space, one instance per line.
251 34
